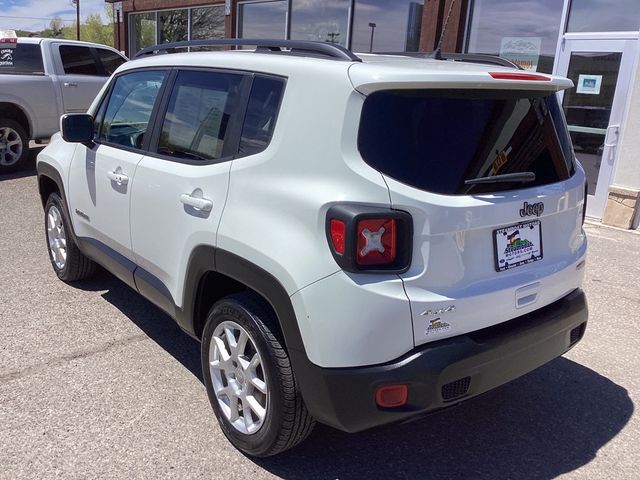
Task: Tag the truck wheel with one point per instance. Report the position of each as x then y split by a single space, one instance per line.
249 379
68 262
14 145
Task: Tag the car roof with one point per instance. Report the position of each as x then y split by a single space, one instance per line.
374 72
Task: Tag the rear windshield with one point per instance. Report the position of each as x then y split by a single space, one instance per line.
25 58
435 140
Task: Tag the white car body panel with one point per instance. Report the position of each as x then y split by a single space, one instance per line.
99 206
164 231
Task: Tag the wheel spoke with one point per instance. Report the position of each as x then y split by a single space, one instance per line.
222 349
242 343
258 384
255 406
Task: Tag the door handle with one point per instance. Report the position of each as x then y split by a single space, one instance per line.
616 132
199 203
70 84
118 177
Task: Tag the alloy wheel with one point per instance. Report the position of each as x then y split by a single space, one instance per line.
238 377
10 146
57 237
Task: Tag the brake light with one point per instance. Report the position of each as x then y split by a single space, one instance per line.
519 76
584 205
337 235
376 241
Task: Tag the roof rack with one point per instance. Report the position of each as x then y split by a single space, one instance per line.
294 47
460 57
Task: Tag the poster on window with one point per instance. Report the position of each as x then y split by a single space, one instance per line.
523 51
589 84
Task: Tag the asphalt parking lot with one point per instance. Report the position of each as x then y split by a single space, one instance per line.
95 382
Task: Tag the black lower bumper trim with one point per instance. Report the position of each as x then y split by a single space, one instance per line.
445 372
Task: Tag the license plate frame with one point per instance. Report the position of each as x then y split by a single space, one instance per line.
509 253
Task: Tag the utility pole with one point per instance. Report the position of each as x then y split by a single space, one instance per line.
373 28
77 4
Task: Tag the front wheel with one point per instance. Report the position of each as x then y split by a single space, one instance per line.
249 379
14 145
66 258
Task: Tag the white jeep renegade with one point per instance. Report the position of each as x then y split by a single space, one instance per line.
356 240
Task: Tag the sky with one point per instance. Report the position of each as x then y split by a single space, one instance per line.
35 15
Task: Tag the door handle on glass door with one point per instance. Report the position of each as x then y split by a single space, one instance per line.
118 177
616 132
199 203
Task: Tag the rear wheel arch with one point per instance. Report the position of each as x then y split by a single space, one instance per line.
214 273
17 113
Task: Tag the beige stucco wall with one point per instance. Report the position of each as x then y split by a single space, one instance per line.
627 170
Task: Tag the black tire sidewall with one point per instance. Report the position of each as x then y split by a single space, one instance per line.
7 122
259 443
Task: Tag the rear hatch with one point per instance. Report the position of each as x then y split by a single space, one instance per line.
483 163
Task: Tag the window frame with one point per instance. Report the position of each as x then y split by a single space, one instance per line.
99 112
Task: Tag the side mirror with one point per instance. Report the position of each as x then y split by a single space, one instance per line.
77 127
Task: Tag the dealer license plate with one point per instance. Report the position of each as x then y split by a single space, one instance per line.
517 245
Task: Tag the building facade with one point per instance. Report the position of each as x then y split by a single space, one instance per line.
593 42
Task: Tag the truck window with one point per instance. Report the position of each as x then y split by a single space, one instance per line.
78 60
110 60
25 58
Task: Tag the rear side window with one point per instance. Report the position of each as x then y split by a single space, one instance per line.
201 104
436 140
128 109
25 58
110 60
262 111
78 61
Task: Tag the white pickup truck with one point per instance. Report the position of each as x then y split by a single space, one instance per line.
41 79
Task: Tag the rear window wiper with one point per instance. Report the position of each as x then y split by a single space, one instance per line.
522 177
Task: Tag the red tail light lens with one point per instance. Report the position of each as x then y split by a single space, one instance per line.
376 241
519 76
338 235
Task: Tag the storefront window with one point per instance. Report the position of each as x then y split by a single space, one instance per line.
142 31
387 25
262 19
207 23
173 25
320 20
524 32
604 16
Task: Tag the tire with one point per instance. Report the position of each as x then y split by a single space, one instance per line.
286 421
66 259
14 146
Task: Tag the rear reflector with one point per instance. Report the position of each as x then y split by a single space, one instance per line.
376 241
391 396
337 235
519 76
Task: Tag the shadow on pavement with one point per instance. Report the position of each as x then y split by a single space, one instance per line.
29 168
151 320
549 422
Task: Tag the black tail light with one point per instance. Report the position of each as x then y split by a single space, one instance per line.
371 239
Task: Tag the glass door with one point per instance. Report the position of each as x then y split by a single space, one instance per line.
601 71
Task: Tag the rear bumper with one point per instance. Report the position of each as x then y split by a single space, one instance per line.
445 372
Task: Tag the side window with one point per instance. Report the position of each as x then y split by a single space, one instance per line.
24 58
78 60
110 60
129 108
198 114
262 111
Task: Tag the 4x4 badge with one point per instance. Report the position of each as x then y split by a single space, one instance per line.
529 210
